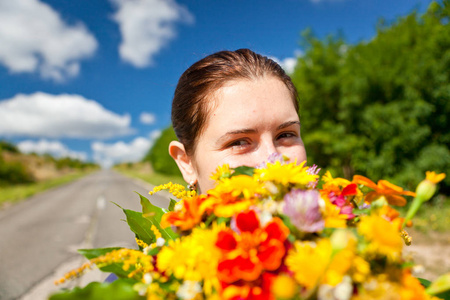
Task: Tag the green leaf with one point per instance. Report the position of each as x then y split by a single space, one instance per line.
154 214
440 287
94 253
172 204
121 289
148 209
140 226
112 268
424 282
243 170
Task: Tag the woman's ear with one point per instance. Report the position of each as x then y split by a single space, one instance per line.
184 162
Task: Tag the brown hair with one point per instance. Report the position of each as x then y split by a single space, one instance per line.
203 78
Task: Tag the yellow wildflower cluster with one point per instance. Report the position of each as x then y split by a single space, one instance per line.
127 257
175 189
157 234
141 243
74 273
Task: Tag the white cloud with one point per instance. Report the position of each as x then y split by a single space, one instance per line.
34 38
155 134
288 63
147 118
146 27
109 154
53 116
55 148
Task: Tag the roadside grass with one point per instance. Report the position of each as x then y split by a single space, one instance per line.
15 193
432 216
152 177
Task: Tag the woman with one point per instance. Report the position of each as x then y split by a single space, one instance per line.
234 107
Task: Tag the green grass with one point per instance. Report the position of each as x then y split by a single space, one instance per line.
16 193
153 178
434 215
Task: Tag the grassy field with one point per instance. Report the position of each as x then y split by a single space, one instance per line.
152 177
13 194
434 216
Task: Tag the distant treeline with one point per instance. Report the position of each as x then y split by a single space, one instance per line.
378 108
17 172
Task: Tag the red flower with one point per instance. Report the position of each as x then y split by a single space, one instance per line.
255 250
260 289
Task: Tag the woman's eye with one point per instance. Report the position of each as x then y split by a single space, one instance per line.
286 135
239 144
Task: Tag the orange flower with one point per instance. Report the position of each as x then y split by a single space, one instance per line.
390 191
226 204
254 250
189 216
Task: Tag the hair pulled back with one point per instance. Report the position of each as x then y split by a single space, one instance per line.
193 94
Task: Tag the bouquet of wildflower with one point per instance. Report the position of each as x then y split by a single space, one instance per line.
271 232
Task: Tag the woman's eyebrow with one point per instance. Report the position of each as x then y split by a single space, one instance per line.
287 124
235 132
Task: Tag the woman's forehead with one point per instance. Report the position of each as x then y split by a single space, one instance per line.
249 103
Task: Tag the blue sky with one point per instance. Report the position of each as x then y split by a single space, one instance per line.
95 79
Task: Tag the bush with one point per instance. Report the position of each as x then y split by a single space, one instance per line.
13 173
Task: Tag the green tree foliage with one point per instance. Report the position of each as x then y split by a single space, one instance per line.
159 156
70 163
13 173
380 108
6 146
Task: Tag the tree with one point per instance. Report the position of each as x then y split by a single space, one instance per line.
380 108
159 156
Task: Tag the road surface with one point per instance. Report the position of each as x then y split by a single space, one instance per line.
39 237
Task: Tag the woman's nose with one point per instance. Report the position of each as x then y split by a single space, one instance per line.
265 150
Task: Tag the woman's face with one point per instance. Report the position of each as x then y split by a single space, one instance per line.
250 120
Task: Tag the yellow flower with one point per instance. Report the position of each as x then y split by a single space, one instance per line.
286 174
193 257
284 287
239 186
221 172
434 178
332 216
383 236
324 267
360 269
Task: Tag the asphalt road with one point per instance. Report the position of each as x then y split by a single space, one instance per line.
39 237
